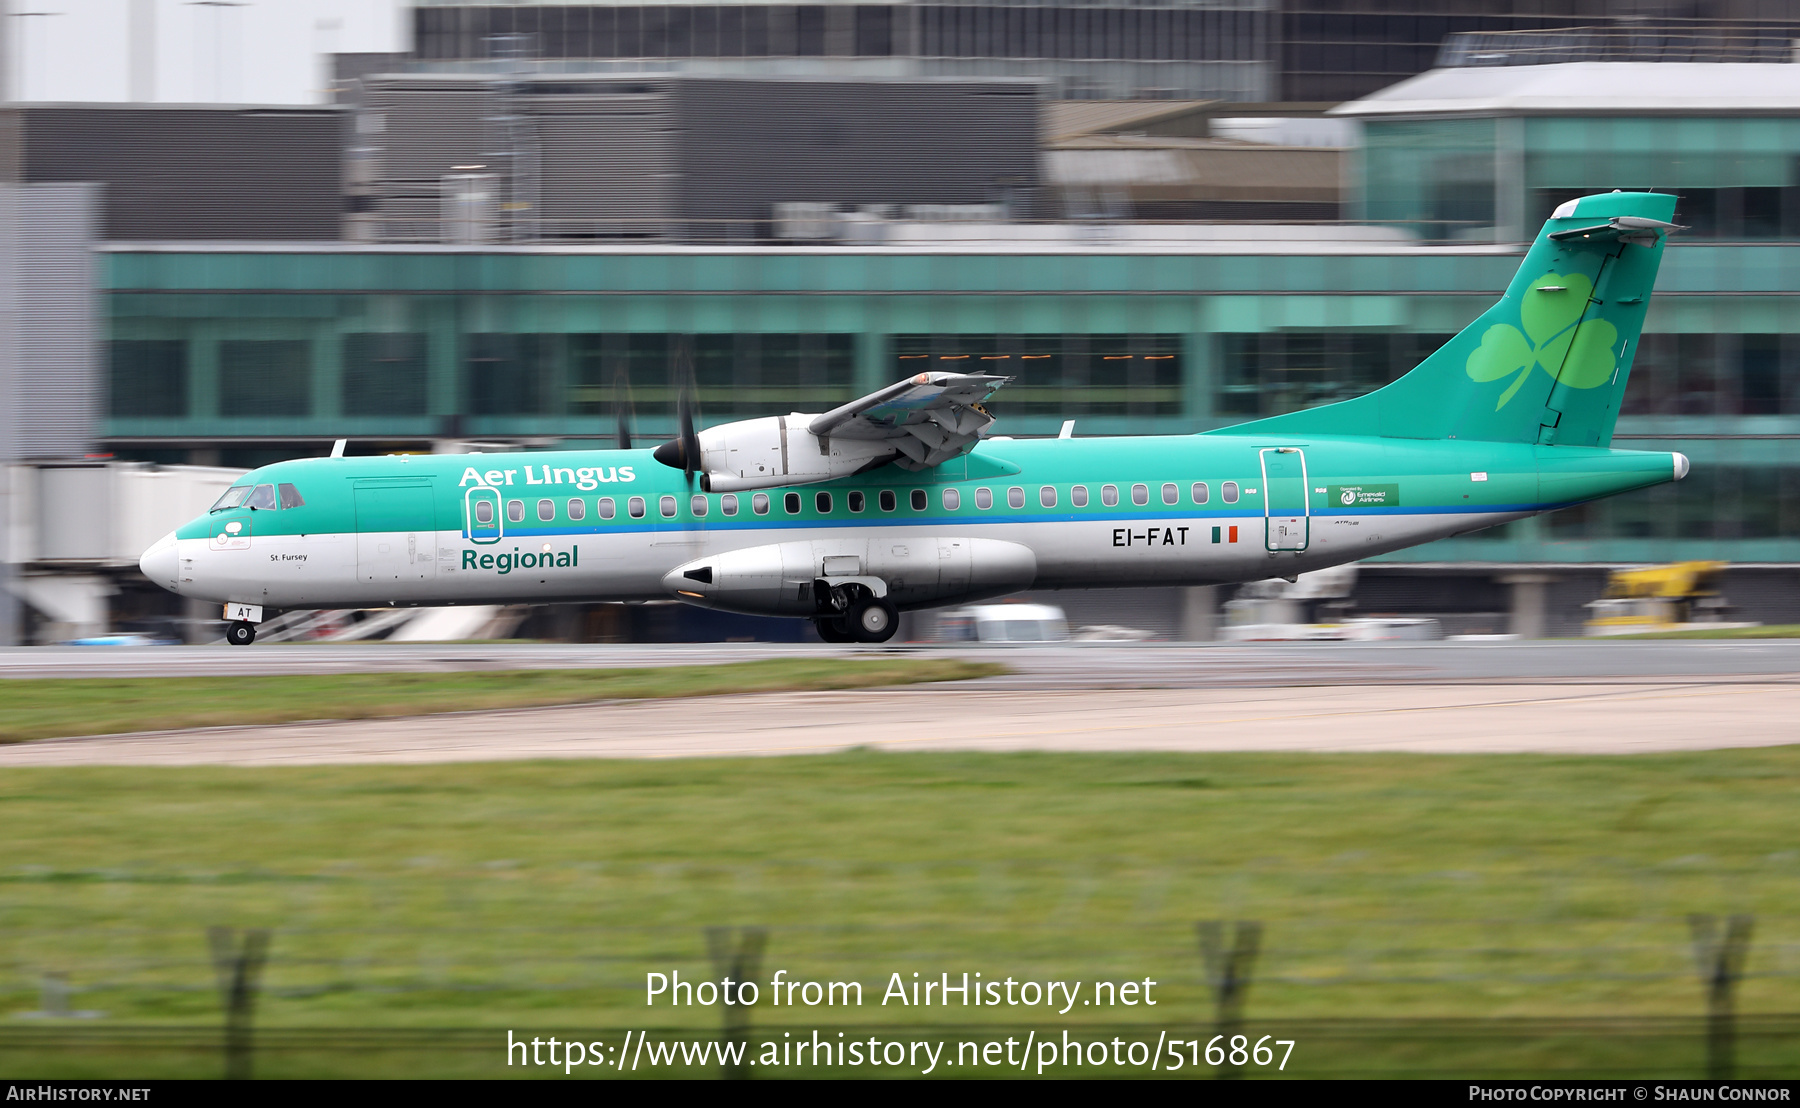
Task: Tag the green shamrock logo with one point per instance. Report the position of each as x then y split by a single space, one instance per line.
1552 308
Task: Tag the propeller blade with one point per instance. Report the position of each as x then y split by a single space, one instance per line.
622 408
683 451
686 401
690 442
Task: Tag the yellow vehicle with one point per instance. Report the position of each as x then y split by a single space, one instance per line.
1674 597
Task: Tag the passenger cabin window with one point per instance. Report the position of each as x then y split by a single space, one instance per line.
290 497
697 504
636 507
233 498
546 511
1015 497
887 500
760 503
1140 495
1171 494
262 499
484 512
1229 491
1047 496
791 503
607 511
728 503
1078 496
857 501
515 511
577 509
919 500
822 501
667 504
984 499
1199 492
952 500
1109 495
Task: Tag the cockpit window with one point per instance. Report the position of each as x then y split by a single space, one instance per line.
234 497
290 497
263 499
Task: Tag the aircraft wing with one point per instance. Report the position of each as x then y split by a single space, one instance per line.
929 418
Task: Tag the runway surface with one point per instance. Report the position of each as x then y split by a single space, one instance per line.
1072 665
1542 697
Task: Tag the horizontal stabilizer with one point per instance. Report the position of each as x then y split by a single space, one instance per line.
1624 228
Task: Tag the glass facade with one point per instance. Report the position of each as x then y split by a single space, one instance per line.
1272 373
1435 176
1061 376
1107 49
1738 176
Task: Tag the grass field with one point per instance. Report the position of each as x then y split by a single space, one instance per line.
41 709
1405 892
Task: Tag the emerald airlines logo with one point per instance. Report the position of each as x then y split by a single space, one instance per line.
1551 342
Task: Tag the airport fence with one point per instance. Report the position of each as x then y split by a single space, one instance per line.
1380 998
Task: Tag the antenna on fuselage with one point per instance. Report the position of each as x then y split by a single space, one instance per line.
337 448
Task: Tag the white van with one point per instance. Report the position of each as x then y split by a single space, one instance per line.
1003 623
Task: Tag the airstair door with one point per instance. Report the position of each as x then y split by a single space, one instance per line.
1286 519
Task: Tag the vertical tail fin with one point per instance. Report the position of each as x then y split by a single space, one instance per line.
1549 362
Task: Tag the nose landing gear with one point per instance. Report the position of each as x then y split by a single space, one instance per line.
240 632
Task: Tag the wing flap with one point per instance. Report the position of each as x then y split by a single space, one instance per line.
929 418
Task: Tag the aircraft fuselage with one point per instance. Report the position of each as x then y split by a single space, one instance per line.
1091 513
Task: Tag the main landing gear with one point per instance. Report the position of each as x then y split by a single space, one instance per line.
871 619
240 632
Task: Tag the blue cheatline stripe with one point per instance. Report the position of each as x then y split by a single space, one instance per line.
982 520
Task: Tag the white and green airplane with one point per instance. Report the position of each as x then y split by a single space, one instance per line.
896 501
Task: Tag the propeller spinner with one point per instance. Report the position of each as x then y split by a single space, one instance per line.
682 452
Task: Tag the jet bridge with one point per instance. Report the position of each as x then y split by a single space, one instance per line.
74 530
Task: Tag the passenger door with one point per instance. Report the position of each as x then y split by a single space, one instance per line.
396 531
1286 520
482 521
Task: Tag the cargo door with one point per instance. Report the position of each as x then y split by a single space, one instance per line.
1286 519
396 532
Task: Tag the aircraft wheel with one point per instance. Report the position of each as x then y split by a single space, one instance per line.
240 633
832 630
873 620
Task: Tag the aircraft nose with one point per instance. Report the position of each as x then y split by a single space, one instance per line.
162 564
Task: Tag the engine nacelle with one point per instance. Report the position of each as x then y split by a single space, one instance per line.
779 450
799 578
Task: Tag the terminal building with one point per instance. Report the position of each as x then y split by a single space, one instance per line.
218 352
